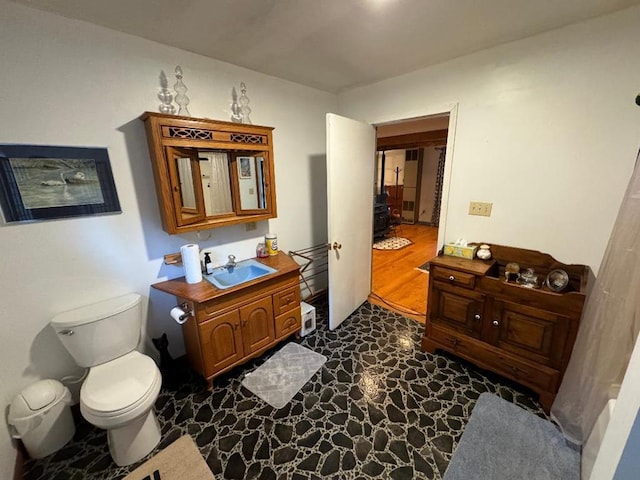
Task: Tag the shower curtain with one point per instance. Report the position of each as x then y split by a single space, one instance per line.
609 328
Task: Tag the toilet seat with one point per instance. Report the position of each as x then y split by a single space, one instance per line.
118 391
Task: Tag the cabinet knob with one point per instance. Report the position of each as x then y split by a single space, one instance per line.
244 322
477 316
495 323
452 278
236 325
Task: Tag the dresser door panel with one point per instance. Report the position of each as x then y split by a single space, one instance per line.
530 333
457 308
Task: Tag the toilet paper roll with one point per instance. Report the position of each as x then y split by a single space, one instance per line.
179 315
191 262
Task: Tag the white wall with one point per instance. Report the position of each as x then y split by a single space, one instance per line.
547 130
65 82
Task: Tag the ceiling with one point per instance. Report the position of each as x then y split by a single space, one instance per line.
332 45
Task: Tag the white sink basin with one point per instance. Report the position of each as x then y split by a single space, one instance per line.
244 271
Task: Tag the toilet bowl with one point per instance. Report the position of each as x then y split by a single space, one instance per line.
122 385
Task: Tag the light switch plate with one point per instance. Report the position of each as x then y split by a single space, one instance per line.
251 226
482 209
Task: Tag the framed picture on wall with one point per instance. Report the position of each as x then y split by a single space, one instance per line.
245 167
47 182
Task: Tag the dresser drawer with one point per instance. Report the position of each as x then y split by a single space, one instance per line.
289 322
286 300
535 376
453 277
246 295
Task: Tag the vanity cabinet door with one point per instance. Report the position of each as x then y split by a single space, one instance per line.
456 308
221 342
258 329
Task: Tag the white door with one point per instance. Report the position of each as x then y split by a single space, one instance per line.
351 149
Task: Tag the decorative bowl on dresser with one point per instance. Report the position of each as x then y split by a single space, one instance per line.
524 334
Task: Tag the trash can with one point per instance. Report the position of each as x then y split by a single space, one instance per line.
41 417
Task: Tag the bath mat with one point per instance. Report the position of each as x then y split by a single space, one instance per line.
392 243
179 461
503 441
424 267
278 379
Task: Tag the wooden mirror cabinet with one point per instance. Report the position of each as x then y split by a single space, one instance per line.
210 173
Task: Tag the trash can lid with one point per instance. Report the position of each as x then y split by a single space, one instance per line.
35 397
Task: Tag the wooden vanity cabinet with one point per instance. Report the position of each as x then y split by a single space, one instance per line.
524 334
229 327
210 173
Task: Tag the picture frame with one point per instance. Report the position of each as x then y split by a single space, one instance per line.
245 167
39 182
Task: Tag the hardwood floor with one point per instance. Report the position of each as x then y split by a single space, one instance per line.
397 283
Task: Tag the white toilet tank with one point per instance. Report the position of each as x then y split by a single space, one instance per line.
100 332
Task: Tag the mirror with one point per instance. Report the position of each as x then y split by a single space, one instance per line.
184 171
216 183
224 192
185 177
251 184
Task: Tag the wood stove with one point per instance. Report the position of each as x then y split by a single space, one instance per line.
380 220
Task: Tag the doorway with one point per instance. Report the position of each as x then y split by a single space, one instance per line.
409 181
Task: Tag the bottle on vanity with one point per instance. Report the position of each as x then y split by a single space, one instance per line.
208 265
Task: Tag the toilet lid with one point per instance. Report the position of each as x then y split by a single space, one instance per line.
120 383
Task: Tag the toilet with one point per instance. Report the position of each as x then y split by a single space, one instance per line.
122 385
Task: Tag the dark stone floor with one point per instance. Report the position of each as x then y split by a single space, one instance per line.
378 408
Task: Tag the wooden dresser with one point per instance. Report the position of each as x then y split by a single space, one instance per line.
229 327
524 334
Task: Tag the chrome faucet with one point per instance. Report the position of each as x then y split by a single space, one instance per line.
231 263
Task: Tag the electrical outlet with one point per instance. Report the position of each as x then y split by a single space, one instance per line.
250 227
480 208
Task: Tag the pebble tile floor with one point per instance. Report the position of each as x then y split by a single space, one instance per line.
378 408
